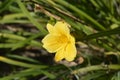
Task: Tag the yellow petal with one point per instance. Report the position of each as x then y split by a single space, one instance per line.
50 42
70 52
50 28
62 27
72 39
59 55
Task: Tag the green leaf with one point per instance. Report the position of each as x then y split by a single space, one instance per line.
103 33
28 72
22 58
81 13
33 21
18 63
5 5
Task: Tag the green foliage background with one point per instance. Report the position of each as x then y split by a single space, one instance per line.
94 24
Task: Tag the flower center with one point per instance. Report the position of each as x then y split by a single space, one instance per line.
63 39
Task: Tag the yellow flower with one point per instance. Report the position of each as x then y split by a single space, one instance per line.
60 41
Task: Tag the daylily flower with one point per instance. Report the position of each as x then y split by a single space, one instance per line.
60 40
